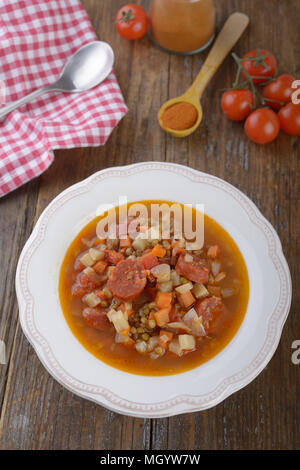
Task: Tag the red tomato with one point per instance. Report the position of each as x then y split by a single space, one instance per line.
289 117
262 126
263 68
279 90
236 104
132 21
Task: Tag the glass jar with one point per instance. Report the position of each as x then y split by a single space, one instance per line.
182 26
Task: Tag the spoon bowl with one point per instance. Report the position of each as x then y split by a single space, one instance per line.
88 67
228 36
187 98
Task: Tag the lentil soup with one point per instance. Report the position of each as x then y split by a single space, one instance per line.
154 306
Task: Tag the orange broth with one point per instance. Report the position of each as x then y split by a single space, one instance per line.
101 343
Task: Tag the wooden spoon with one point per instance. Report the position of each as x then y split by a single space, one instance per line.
228 36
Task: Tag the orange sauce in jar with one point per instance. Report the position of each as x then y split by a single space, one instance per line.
182 26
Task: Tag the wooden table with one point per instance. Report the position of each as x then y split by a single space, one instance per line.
37 413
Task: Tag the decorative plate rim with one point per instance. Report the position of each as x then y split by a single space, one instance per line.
187 402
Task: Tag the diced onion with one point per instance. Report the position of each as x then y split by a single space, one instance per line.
215 267
165 286
178 326
161 272
184 288
220 277
119 321
95 254
228 292
92 300
86 260
194 323
141 346
200 291
175 348
152 343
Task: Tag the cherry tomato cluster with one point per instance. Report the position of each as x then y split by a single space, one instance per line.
262 125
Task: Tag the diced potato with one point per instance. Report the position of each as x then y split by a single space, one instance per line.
88 271
175 278
175 348
139 244
165 286
86 260
92 299
119 321
161 272
200 291
184 288
96 255
187 342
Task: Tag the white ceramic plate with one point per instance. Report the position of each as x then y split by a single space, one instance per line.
74 367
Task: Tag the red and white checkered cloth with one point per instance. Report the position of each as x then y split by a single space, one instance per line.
36 38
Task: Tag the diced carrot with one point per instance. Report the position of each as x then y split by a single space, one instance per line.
163 299
186 300
164 338
159 251
100 266
149 261
125 332
162 316
213 251
125 243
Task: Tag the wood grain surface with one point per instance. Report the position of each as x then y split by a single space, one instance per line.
37 412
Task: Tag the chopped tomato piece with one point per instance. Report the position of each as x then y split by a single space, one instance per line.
162 316
96 318
213 251
163 299
113 257
196 270
79 291
90 281
209 309
159 251
186 300
149 261
100 267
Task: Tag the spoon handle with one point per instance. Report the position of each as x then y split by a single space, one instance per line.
228 36
11 107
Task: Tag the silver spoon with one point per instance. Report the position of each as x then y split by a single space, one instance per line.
85 69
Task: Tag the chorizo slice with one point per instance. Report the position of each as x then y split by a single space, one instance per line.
96 318
128 280
195 270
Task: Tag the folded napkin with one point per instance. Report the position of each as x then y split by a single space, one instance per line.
36 38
